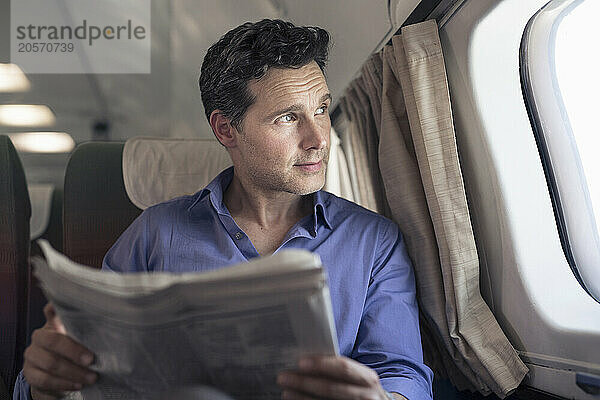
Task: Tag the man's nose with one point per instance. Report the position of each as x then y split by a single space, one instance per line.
315 136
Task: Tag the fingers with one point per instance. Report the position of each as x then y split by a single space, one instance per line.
49 311
331 378
48 383
54 362
299 386
52 319
291 395
342 369
62 345
56 365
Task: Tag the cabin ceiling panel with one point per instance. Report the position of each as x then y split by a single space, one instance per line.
197 25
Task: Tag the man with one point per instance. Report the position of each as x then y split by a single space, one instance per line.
266 99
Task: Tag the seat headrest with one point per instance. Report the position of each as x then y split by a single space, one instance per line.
40 196
159 169
13 190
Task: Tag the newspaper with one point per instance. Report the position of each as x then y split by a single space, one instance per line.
233 329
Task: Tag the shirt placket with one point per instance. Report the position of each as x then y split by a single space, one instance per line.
239 237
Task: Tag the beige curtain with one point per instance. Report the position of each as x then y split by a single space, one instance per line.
399 111
337 179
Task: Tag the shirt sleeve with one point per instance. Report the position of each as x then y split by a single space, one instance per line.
21 391
130 251
389 339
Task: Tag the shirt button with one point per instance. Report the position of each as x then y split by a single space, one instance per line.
238 235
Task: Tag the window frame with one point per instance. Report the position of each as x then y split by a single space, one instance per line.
553 323
538 72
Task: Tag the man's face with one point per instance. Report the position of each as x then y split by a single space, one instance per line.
283 145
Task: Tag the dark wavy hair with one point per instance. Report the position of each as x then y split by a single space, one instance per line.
247 52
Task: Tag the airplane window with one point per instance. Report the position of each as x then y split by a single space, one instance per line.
579 82
561 86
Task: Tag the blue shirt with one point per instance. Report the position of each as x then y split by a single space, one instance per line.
370 276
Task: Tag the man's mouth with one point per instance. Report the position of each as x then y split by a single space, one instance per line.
310 166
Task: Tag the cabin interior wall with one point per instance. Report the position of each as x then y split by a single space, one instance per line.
543 310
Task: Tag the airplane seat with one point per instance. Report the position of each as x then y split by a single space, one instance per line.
108 184
96 208
46 217
160 169
15 212
46 223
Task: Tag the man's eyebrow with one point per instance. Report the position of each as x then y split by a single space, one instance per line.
325 97
296 107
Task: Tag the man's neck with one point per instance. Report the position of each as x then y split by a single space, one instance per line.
265 209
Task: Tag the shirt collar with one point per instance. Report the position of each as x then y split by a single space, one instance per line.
320 210
215 190
217 187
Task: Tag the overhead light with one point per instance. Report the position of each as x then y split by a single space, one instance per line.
26 115
12 79
42 142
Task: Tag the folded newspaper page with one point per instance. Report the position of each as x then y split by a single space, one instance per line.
233 329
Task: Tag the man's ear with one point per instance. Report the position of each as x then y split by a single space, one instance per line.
224 131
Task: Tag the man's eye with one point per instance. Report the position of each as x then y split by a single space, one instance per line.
286 118
321 110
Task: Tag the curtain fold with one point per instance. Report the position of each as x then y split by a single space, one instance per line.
337 179
399 109
362 167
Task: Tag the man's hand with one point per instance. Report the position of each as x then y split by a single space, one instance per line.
55 363
331 378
